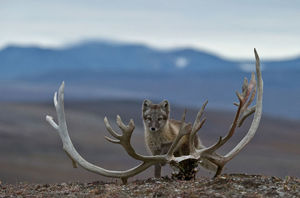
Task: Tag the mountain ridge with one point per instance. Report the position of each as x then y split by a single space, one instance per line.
183 76
101 57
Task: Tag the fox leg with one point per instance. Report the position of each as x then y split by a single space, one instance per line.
157 170
157 167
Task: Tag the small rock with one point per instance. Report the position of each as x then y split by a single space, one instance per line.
19 192
46 185
95 191
219 195
281 194
66 192
42 189
37 187
75 189
286 188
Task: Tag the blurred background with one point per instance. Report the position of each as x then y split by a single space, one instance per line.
114 54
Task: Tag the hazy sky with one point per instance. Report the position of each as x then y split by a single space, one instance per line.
228 28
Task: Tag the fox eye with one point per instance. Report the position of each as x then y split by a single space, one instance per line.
148 119
160 119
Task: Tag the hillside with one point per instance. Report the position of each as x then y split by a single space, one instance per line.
30 150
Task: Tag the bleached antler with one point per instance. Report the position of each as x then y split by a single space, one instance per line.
245 99
123 140
209 153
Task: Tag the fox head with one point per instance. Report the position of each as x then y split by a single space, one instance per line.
155 116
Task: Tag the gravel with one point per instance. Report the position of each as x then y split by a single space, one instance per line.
231 185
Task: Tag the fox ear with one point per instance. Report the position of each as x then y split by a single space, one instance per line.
165 105
146 104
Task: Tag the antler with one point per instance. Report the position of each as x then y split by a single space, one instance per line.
123 140
245 100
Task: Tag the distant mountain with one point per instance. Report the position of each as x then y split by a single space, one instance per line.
117 70
18 61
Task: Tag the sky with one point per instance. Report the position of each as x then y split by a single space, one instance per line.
228 28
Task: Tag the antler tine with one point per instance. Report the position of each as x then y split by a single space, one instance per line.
213 147
245 86
245 111
196 127
110 130
198 117
182 131
250 89
112 140
240 97
252 86
124 139
231 131
193 134
222 140
127 129
246 114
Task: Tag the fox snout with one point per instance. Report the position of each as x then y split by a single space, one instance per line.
153 129
154 126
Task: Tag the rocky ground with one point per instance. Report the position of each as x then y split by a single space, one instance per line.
233 185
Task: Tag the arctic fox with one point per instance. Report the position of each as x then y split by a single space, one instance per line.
161 131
